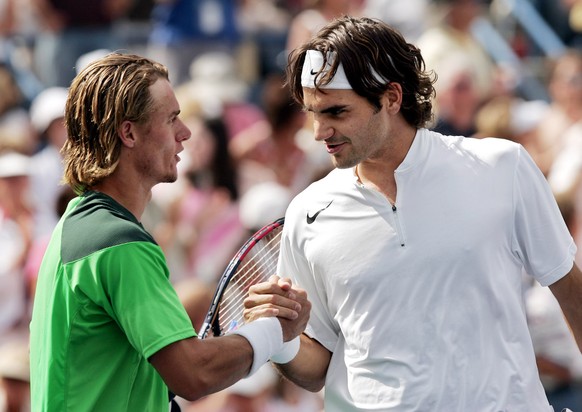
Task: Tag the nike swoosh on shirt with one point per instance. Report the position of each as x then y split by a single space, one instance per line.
313 72
311 219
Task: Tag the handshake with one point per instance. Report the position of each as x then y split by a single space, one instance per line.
275 314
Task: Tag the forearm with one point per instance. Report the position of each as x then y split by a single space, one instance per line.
194 368
568 291
309 368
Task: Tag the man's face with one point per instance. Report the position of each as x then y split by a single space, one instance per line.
160 140
352 129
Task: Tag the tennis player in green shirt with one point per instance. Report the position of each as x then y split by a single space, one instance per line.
108 332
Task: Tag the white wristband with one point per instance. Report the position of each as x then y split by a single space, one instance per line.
265 336
288 353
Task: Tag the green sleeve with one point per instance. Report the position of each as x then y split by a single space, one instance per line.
137 293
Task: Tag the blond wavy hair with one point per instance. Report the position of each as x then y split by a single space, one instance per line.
106 93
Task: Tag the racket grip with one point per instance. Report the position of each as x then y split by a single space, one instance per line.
288 353
266 338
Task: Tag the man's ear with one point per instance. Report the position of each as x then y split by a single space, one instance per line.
392 98
127 133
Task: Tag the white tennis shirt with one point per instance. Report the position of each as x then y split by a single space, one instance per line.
421 303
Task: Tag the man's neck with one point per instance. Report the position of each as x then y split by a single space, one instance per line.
132 198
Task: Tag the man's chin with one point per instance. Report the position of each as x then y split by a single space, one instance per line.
343 165
169 179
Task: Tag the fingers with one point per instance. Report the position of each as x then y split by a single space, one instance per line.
274 286
259 312
294 327
285 306
293 320
276 297
283 283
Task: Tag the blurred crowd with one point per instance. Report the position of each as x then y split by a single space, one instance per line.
251 148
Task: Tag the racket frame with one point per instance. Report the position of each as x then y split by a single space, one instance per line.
212 316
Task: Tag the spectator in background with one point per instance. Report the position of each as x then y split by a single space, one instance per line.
410 17
270 151
134 28
14 375
251 394
71 28
560 127
196 296
216 89
457 96
449 34
87 58
17 26
202 229
564 17
315 15
7 25
47 117
574 11
262 204
185 29
15 129
39 244
264 26
16 223
516 119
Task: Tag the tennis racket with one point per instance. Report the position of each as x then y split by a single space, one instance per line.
254 262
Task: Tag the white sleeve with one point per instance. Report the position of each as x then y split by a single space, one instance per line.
292 263
541 239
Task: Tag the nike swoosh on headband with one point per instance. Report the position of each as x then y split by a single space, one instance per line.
313 64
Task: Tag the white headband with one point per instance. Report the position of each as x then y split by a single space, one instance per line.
313 64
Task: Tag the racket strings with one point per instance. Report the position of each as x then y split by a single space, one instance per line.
256 268
234 297
259 265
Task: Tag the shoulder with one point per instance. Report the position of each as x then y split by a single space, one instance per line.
493 150
336 180
317 196
97 223
487 149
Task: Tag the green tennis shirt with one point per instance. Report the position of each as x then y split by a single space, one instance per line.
104 304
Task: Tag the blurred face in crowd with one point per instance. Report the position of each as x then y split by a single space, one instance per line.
566 82
201 145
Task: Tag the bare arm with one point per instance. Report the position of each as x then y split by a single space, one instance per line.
193 368
568 292
308 369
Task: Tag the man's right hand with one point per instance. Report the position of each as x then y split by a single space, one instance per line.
278 297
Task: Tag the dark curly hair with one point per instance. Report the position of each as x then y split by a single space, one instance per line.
367 48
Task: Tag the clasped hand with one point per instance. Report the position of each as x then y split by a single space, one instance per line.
277 297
